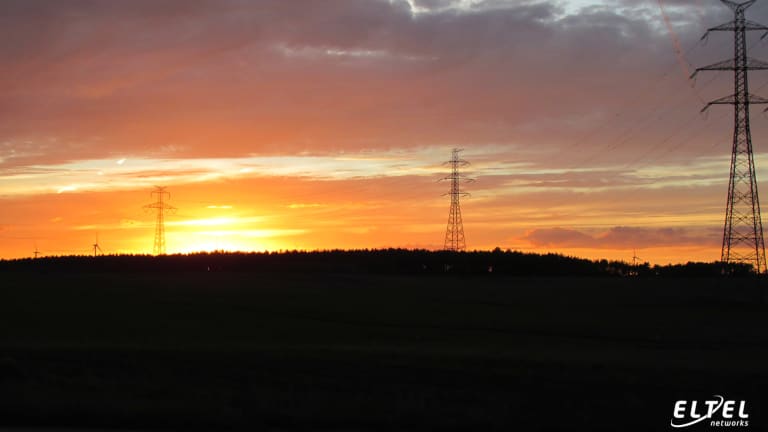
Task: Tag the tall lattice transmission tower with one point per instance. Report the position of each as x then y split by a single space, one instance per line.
743 231
161 206
454 233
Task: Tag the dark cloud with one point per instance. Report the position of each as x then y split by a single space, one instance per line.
621 237
239 77
94 79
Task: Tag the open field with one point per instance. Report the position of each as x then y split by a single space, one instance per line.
373 352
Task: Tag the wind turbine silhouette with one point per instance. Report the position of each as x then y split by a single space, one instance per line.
96 248
635 261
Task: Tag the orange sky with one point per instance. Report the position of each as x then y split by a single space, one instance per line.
317 125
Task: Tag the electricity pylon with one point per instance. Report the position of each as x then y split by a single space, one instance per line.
161 206
743 230
454 233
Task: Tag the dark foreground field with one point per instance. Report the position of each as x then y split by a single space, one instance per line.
362 352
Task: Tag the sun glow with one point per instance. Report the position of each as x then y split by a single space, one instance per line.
228 240
229 231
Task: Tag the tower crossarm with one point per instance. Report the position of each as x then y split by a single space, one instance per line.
458 163
732 100
730 64
738 7
733 25
160 205
463 194
458 177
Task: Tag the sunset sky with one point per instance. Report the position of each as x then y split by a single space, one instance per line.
309 124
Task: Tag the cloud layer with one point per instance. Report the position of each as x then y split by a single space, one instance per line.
230 78
622 237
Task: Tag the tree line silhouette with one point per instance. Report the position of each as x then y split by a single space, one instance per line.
375 261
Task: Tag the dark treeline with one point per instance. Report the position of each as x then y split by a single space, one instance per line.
380 261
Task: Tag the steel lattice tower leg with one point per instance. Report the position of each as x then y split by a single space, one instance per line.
158 247
161 206
454 233
743 229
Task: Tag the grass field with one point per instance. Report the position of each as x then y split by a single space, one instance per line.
260 351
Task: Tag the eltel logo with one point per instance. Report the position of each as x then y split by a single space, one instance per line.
729 413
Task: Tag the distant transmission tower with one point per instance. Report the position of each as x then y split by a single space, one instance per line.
743 231
161 206
454 233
